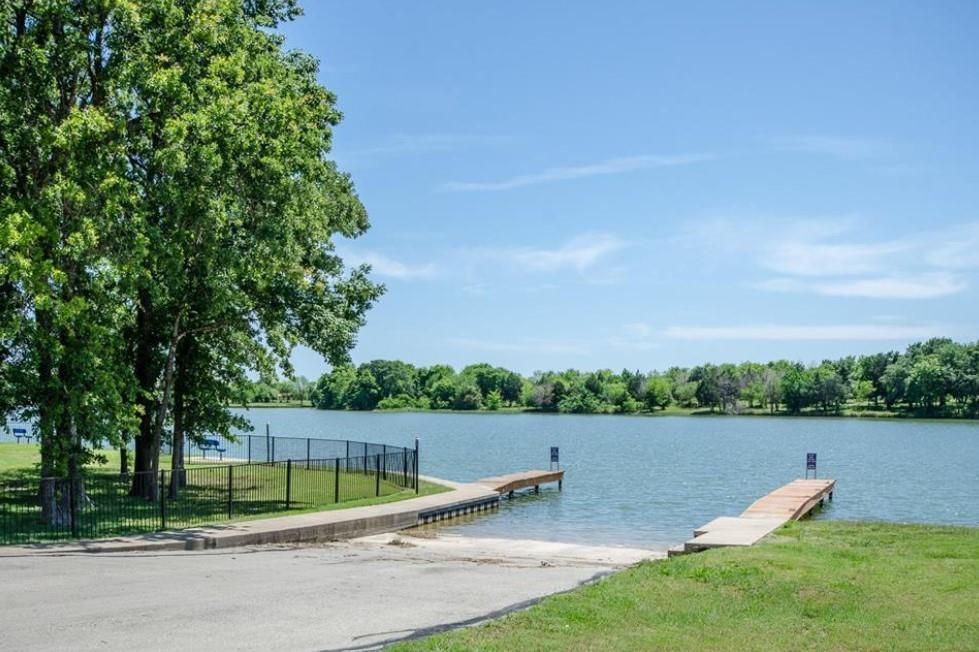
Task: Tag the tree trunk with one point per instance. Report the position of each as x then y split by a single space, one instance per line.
149 485
47 407
145 463
182 384
124 461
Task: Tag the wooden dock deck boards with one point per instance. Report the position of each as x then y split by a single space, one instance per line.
787 503
514 481
793 501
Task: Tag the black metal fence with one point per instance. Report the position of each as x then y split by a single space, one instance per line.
265 448
101 505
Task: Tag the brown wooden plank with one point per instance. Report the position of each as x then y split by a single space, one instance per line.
523 480
793 500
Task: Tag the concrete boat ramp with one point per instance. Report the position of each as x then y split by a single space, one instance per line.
787 503
349 523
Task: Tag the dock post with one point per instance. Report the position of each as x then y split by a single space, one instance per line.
417 482
559 484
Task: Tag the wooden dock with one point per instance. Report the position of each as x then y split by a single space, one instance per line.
787 503
792 501
507 484
490 490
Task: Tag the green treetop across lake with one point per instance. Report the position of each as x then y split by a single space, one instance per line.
937 378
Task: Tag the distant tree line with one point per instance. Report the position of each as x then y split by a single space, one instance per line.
939 377
298 389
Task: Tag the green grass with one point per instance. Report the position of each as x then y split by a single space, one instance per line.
258 491
812 586
15 458
21 460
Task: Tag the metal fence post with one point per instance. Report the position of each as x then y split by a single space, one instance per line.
163 500
377 475
249 448
288 483
384 465
307 453
73 506
273 449
268 438
336 481
230 490
416 466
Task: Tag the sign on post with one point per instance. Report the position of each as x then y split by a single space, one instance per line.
555 457
810 464
21 432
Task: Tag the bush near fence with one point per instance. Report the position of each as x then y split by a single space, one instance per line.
100 504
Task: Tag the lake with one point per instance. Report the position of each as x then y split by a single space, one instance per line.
648 481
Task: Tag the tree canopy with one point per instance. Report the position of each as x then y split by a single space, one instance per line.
167 217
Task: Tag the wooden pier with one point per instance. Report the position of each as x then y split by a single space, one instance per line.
507 484
787 503
489 492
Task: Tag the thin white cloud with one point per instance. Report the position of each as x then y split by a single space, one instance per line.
824 257
476 289
829 259
635 336
520 346
919 286
958 248
415 143
781 285
637 329
924 286
385 266
627 344
579 253
607 167
836 146
848 332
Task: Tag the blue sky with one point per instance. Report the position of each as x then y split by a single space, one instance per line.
616 184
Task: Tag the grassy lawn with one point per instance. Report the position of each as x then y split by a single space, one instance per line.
256 491
16 460
813 586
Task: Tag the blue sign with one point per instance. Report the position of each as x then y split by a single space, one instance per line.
810 461
20 431
555 457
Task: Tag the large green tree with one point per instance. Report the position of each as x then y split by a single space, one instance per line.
64 276
236 209
167 212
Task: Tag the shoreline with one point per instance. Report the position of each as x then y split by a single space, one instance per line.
670 412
